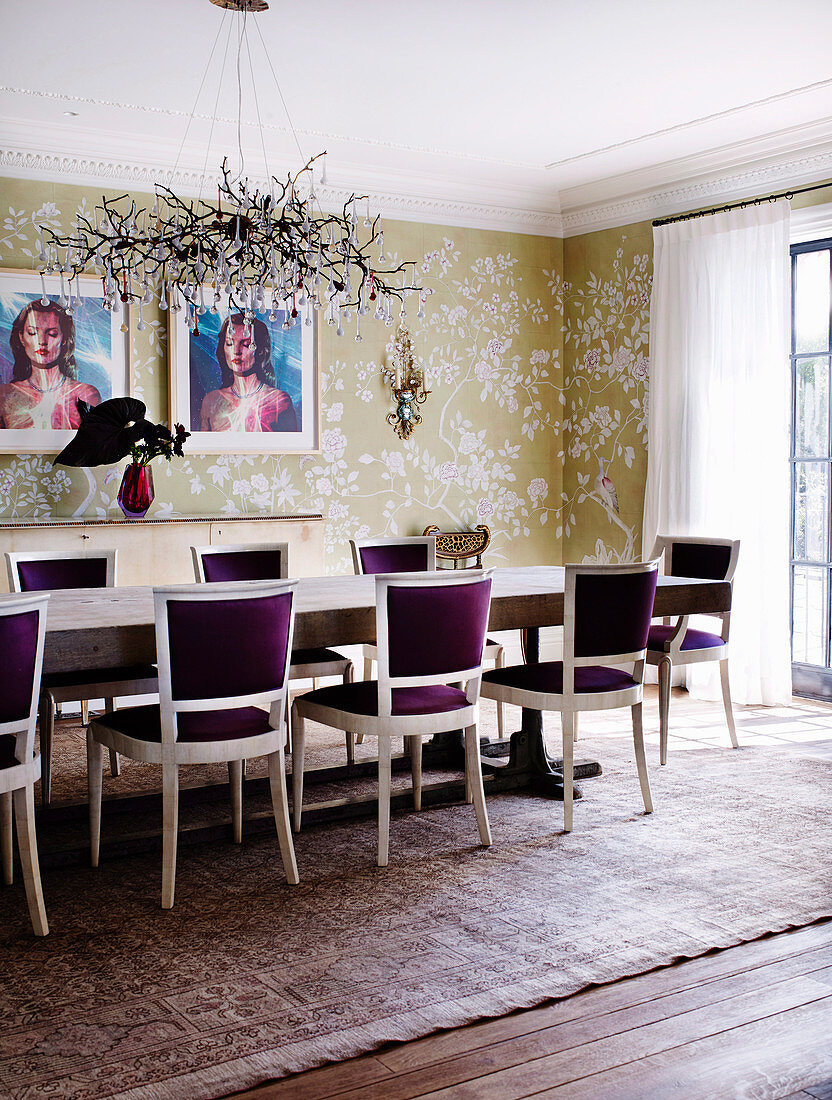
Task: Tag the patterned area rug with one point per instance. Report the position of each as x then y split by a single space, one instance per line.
247 978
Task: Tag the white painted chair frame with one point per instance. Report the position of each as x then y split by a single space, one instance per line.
494 652
571 703
342 667
170 752
674 654
107 689
412 727
17 783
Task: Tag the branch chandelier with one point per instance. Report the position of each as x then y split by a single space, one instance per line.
257 250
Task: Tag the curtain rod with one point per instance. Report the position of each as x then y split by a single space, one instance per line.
741 205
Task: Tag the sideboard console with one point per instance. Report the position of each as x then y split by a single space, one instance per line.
157 551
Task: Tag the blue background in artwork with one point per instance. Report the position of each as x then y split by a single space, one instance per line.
93 339
286 363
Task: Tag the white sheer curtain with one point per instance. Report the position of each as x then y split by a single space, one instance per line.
719 423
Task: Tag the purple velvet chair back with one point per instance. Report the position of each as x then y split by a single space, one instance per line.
45 573
244 565
22 633
394 558
437 629
226 647
613 609
703 560
19 646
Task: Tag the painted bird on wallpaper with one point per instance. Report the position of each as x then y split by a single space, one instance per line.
605 490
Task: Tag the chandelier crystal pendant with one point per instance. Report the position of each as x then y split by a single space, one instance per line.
257 250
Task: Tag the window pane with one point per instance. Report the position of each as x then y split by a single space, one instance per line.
809 602
811 427
811 498
811 301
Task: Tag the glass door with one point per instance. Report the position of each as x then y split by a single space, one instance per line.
811 462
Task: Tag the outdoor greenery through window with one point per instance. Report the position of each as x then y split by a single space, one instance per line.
811 466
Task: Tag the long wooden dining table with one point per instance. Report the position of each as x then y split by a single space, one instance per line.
101 628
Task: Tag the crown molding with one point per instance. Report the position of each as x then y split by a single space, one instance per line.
497 198
744 170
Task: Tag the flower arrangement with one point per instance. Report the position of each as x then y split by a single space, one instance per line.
115 429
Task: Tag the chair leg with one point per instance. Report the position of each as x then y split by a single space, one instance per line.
384 772
85 712
46 721
641 760
665 671
170 831
115 766
473 776
6 836
568 725
27 844
726 699
235 785
416 770
348 678
280 807
500 662
298 752
95 769
368 675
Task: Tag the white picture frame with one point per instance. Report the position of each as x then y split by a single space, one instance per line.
99 361
203 389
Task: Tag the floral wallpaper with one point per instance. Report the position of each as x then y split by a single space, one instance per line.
537 354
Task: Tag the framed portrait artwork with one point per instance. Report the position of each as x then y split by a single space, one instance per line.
50 356
245 391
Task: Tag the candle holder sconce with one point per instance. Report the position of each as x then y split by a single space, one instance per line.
408 382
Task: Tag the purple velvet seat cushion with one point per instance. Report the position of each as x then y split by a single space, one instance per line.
144 723
99 676
49 573
394 559
362 698
693 639
547 677
18 647
243 565
7 757
318 656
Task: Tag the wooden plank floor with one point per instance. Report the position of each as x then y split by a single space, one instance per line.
750 1021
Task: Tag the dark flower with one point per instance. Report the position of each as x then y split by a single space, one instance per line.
116 428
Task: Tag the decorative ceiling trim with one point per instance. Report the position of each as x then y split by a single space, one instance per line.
693 193
388 201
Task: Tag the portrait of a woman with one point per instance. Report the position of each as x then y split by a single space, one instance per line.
248 399
44 389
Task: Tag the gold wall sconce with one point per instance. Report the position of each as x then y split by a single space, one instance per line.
408 382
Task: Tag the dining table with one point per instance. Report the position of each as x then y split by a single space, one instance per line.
105 627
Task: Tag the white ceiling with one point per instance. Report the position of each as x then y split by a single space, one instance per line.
539 106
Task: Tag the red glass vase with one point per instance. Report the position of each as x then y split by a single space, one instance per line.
135 494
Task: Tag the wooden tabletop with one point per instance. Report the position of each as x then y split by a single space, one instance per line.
100 628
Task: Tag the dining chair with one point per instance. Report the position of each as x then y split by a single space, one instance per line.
410 554
44 570
417 693
223 655
254 561
22 634
678 644
606 619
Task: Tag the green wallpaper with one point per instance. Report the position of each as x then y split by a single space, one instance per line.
488 450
